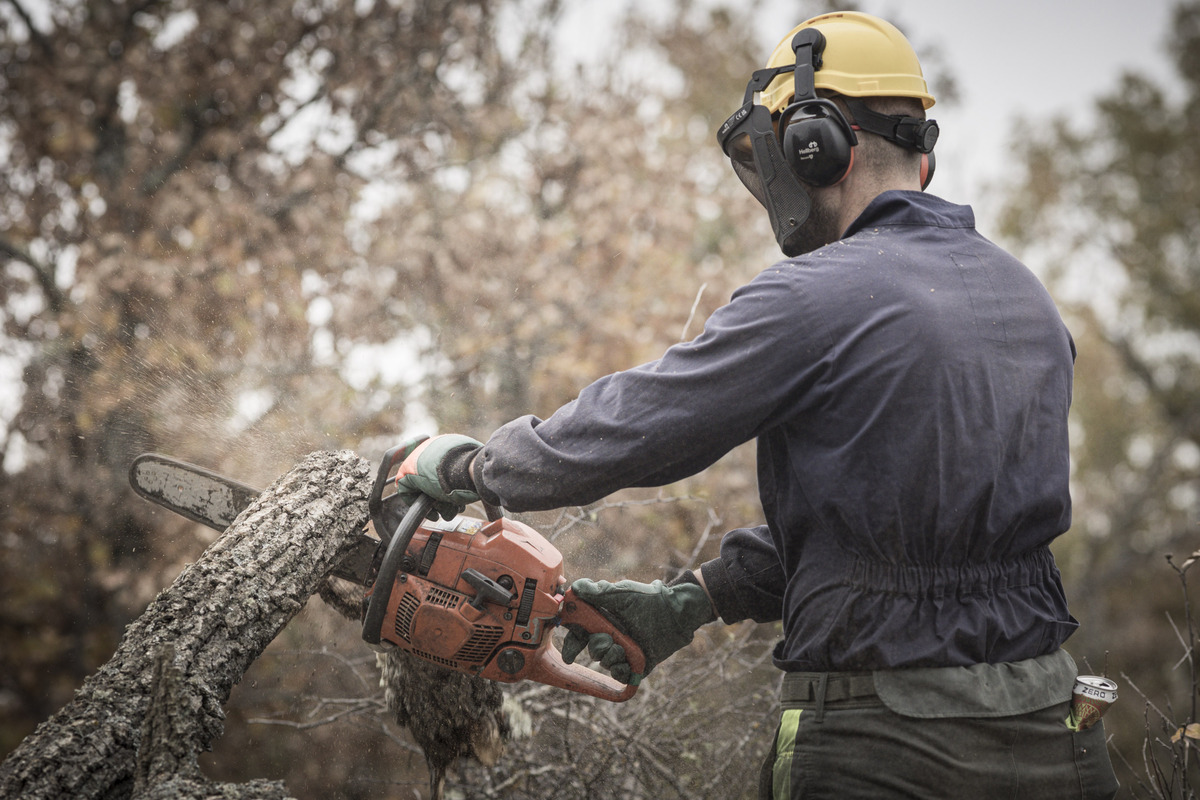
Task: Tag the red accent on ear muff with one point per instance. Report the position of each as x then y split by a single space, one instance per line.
849 166
927 166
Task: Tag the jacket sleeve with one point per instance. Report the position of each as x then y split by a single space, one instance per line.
665 420
747 580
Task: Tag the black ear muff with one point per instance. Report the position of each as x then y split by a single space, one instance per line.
928 162
818 142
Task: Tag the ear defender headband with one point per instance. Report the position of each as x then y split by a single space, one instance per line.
911 132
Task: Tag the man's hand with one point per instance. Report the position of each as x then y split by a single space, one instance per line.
660 618
439 467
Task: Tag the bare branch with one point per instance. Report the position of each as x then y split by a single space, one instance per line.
569 518
41 41
43 272
352 706
692 313
713 522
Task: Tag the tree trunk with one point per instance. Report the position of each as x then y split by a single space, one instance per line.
205 631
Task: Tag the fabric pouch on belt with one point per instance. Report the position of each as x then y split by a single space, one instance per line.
980 690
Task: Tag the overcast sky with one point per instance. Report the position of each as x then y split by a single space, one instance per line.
1022 58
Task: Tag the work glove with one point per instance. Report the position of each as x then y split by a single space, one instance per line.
440 468
659 618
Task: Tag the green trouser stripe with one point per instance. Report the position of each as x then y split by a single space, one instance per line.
785 746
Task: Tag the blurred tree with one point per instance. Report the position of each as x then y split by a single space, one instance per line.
241 231
178 182
612 227
1110 210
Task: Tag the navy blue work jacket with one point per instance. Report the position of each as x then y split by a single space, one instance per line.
908 387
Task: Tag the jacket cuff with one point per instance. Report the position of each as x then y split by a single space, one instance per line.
454 470
687 576
485 494
722 591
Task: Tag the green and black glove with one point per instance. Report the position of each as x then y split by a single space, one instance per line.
659 618
440 468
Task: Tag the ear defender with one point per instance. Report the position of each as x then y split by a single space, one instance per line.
818 143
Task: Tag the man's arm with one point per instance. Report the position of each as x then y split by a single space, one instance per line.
745 582
659 422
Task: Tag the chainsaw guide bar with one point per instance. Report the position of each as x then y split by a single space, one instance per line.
194 492
215 501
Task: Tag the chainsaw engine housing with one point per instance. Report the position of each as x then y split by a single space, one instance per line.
474 596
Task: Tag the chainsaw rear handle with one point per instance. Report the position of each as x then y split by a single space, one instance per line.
551 669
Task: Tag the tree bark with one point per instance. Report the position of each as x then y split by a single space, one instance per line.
216 618
166 763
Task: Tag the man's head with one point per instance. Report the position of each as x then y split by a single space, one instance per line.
842 94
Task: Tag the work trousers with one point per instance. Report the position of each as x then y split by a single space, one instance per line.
838 739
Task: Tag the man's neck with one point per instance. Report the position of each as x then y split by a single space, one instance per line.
857 195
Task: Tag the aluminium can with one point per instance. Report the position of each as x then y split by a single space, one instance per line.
1090 698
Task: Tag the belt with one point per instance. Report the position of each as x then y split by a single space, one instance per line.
819 689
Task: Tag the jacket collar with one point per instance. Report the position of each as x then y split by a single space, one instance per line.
911 208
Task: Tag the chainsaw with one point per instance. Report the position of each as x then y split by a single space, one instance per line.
471 595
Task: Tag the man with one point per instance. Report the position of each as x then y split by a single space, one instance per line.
908 385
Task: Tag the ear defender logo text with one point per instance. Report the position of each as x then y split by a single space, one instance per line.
809 152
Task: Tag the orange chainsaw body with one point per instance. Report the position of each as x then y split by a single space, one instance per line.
483 598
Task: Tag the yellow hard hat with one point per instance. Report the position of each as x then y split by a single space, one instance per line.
865 56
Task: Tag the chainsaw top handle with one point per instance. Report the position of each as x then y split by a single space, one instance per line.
386 514
392 558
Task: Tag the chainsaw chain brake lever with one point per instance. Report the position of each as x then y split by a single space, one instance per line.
387 513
